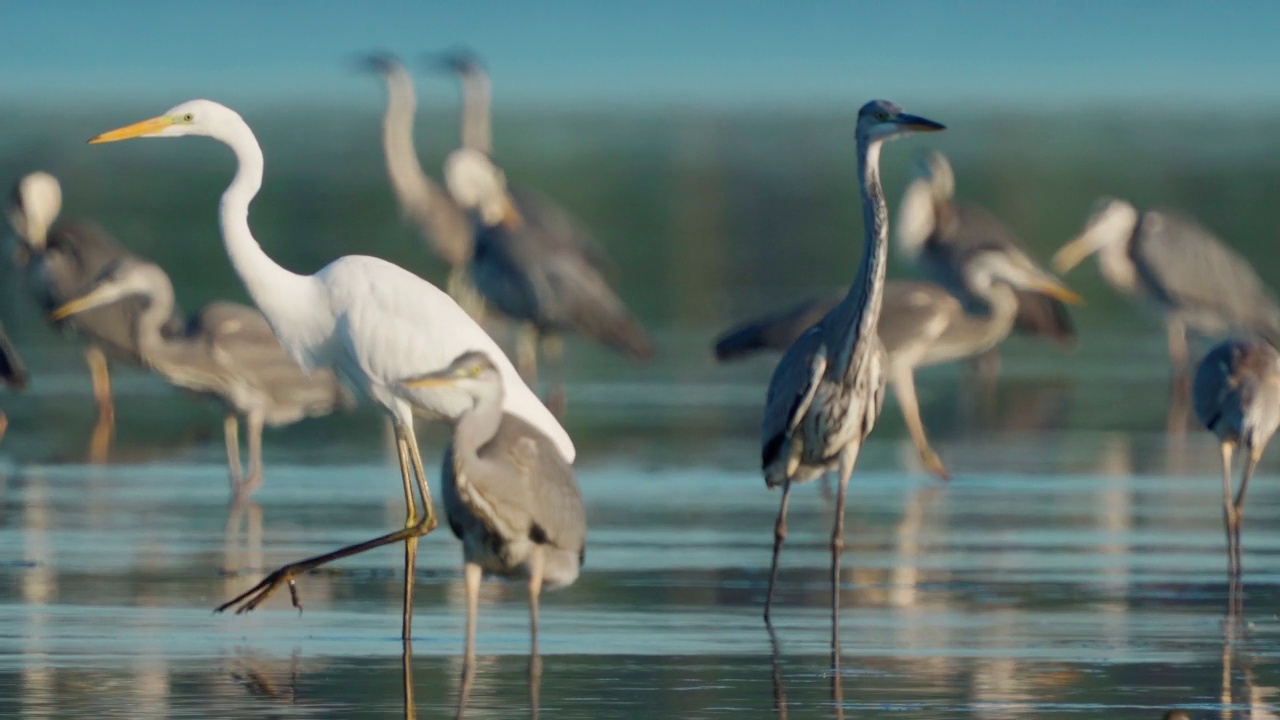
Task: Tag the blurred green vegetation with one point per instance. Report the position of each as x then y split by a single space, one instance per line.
708 215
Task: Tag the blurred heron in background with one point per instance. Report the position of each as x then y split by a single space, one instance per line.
922 324
62 260
828 388
372 322
1236 395
532 260
443 225
226 351
509 496
12 372
1177 266
939 235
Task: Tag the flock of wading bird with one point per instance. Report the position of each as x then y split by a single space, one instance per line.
365 329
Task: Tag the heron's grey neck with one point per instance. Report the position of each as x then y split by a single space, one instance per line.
162 352
414 191
476 112
476 428
991 324
857 316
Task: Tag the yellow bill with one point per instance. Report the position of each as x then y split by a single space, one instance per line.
1059 291
88 301
1072 254
429 381
138 129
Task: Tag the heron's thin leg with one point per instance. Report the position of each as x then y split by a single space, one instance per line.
527 352
1228 510
779 535
252 598
848 457
904 386
253 479
535 589
406 665
231 434
779 687
1250 464
471 574
553 355
100 376
100 441
1178 352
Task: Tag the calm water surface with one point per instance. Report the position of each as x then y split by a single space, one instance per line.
1074 567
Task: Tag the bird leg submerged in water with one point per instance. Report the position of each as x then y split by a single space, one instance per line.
415 527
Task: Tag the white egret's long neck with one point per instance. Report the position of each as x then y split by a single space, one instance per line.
476 98
276 291
916 218
858 314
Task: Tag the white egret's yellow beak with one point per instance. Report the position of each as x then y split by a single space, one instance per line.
138 129
1072 254
1058 291
101 295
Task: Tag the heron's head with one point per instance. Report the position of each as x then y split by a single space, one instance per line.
34 204
1110 224
460 60
381 62
471 372
935 169
124 278
1015 269
479 186
881 120
194 117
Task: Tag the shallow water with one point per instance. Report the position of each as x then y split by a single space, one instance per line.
1074 567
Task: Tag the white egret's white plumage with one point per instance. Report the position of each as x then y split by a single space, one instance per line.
372 322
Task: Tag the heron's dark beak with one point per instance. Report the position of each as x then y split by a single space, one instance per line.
919 124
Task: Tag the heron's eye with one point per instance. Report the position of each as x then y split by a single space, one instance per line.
882 115
188 117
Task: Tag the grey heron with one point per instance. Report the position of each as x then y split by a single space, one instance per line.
533 275
226 351
1236 395
442 224
372 322
61 260
508 495
828 388
1180 268
922 324
533 261
13 371
939 234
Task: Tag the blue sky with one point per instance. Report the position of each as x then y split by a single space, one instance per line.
691 52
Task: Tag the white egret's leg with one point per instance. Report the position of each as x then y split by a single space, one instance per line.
904 386
779 536
848 458
231 434
406 666
403 435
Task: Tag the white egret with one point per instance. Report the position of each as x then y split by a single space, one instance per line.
374 323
